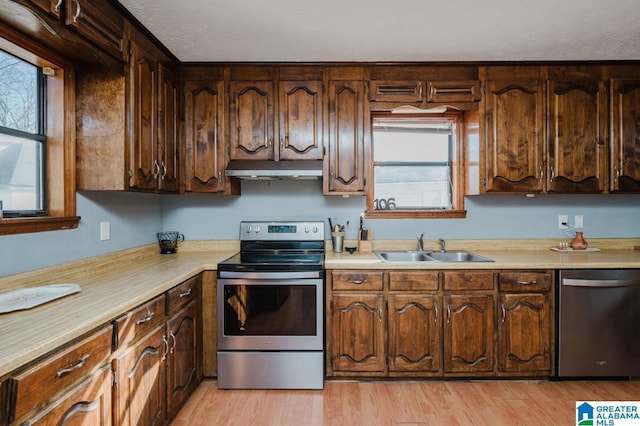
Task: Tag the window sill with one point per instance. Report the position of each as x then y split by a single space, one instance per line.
415 214
24 225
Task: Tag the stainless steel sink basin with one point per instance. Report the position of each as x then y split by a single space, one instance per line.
404 256
430 256
457 256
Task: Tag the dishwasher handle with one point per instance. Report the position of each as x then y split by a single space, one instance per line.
585 282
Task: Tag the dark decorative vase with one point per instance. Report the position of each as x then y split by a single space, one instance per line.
579 243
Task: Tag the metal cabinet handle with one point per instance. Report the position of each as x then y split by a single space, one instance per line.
380 313
448 314
435 317
157 168
420 90
532 282
165 349
186 293
75 17
504 313
173 345
76 366
541 173
355 281
57 6
164 170
148 318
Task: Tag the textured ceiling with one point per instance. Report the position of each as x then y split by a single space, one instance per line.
393 30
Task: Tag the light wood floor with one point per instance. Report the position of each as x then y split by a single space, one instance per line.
494 402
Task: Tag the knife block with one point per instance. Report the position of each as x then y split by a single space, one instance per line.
366 246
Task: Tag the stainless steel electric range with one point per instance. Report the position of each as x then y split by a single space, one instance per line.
271 308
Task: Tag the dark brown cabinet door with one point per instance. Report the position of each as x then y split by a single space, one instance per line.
468 333
89 403
141 381
414 333
347 138
625 141
301 120
524 338
577 133
252 120
143 148
98 21
358 333
204 129
168 130
182 360
514 117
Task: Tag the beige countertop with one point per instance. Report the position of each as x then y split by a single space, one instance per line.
115 283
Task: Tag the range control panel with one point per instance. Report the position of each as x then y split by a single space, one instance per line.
282 231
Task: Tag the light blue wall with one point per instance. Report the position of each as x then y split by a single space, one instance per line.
488 216
134 218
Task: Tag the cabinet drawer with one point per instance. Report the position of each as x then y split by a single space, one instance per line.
140 321
356 280
395 91
182 294
453 91
34 387
524 281
468 280
417 280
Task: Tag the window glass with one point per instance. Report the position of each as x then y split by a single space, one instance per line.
21 137
412 163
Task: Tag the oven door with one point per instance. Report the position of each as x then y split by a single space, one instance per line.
271 311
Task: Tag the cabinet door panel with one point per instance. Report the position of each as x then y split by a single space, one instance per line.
468 334
182 366
625 142
524 333
414 333
87 404
204 129
346 137
141 381
251 120
577 133
514 136
168 129
301 120
99 22
143 128
358 333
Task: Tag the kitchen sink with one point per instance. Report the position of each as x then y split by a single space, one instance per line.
430 256
404 256
457 256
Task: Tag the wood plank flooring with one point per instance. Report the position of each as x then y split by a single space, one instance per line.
413 403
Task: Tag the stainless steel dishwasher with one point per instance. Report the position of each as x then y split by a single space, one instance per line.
598 320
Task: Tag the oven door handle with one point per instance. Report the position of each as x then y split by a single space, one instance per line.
270 275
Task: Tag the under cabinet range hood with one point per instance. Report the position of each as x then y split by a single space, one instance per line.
274 170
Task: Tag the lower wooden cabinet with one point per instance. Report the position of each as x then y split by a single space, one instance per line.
358 333
415 326
140 381
469 333
89 403
439 323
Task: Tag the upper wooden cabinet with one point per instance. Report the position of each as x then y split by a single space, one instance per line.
152 109
430 91
301 120
625 135
251 113
577 155
513 136
98 21
204 134
348 146
544 129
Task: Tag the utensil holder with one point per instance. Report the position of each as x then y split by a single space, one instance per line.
337 240
366 246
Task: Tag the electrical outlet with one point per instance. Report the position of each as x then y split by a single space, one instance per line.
105 231
563 221
578 221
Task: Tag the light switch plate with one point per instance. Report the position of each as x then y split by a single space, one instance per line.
105 231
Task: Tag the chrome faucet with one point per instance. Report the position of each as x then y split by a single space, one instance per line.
442 244
421 242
